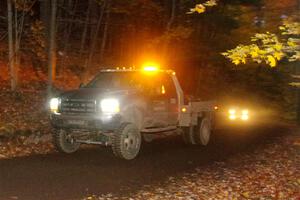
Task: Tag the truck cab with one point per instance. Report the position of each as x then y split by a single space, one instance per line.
119 107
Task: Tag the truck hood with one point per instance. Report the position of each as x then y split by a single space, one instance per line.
94 93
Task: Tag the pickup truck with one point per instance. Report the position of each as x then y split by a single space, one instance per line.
122 107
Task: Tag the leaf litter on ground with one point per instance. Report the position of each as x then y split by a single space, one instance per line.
272 171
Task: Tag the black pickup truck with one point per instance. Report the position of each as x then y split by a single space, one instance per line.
120 108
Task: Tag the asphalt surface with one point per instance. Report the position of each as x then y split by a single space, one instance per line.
96 171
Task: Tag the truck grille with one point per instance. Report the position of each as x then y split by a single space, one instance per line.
78 106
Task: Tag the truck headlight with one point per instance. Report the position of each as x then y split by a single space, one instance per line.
54 105
110 106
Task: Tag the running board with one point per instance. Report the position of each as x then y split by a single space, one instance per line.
92 142
157 130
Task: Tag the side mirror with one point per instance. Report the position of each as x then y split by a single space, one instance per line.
81 85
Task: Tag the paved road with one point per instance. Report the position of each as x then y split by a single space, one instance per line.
96 171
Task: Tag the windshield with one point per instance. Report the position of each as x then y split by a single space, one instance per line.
111 80
152 84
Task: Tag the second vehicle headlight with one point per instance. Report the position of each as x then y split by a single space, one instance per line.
245 115
110 106
232 114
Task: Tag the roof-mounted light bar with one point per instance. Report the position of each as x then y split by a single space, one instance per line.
145 68
150 68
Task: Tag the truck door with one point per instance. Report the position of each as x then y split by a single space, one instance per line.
158 105
169 90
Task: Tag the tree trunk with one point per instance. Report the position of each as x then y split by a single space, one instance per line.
165 51
44 15
13 74
94 42
51 48
84 33
67 29
17 40
172 17
103 44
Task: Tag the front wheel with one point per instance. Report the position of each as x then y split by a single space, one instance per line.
64 142
126 141
188 135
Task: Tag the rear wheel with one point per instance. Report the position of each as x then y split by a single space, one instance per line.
64 142
126 141
202 135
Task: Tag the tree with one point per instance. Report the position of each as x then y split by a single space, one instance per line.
84 33
269 47
94 40
11 58
16 19
105 31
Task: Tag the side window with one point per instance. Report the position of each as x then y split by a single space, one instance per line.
152 86
168 86
161 85
158 87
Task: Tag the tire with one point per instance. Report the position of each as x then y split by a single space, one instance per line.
63 142
126 141
187 136
203 132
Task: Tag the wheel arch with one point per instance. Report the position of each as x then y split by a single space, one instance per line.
135 115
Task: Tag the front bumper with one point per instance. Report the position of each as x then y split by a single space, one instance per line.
83 121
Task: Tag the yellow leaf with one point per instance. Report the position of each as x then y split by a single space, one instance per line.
200 8
236 62
262 52
291 44
192 10
224 54
244 60
246 194
281 27
278 55
278 47
210 3
254 54
271 61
